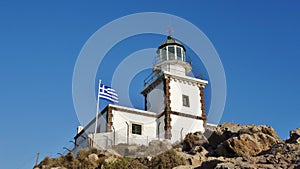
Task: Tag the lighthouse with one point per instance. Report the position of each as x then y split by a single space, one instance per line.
181 103
174 106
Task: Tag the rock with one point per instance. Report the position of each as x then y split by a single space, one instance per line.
226 165
110 159
93 157
209 130
231 146
156 146
131 150
294 136
192 140
211 164
183 167
248 140
165 145
112 152
194 159
154 143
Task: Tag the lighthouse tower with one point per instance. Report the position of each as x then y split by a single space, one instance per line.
178 99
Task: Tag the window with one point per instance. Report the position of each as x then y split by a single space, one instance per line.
185 101
178 51
171 53
136 129
163 54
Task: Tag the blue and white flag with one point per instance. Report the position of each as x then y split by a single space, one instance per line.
108 93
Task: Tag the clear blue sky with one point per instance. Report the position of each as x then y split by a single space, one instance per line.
258 43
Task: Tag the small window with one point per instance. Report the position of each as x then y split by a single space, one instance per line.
185 101
136 129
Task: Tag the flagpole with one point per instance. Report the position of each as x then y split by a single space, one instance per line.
97 109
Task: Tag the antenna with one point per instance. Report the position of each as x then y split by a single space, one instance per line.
37 159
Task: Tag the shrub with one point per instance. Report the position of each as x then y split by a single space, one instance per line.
166 160
119 163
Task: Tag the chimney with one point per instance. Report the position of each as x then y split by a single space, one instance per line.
79 129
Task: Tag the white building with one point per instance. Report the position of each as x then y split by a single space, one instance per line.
174 106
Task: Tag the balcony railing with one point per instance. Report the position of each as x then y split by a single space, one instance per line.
158 59
151 77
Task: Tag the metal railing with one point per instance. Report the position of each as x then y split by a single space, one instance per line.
158 59
151 77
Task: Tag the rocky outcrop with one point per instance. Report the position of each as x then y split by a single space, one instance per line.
193 140
230 146
233 140
250 146
294 136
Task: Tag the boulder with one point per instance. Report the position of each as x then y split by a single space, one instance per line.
109 152
154 143
193 160
294 136
110 159
209 130
192 140
165 145
233 140
93 157
226 165
131 150
183 167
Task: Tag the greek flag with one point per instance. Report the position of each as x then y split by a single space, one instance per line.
108 93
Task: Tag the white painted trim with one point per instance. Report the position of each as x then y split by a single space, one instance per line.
132 109
186 78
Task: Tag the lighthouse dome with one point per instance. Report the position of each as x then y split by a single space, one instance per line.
170 41
171 57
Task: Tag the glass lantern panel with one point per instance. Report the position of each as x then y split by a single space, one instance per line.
171 53
179 54
163 54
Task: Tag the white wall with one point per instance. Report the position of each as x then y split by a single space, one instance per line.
82 140
187 125
161 133
177 89
174 68
149 129
156 99
102 122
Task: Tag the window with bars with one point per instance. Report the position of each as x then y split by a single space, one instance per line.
136 129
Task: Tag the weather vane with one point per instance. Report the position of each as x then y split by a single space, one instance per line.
170 30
